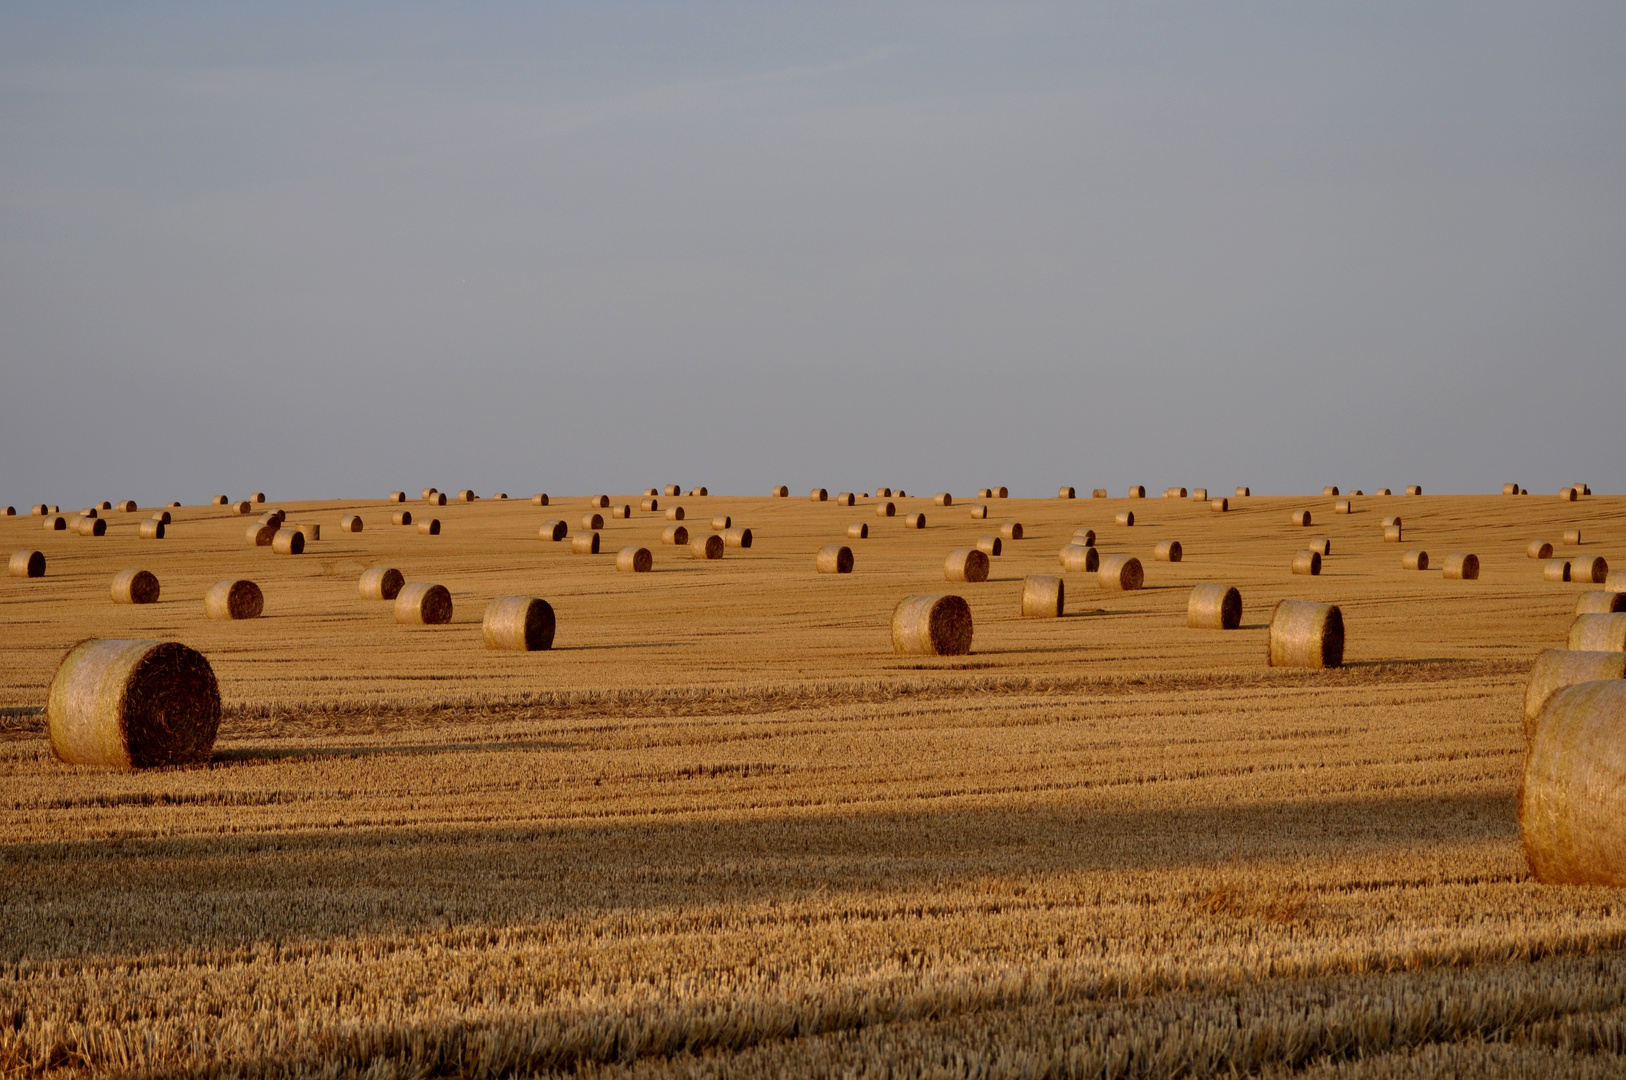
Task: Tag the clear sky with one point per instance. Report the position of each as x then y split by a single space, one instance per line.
338 249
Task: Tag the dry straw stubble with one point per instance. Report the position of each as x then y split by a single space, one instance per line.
932 625
133 704
1121 573
1572 798
233 599
423 603
1214 607
518 624
834 559
1043 597
1306 634
966 564
26 564
135 587
1555 669
633 559
381 583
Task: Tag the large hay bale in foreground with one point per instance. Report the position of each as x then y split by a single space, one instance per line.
1538 549
91 526
26 564
591 522
555 531
990 546
261 533
381 583
676 535
584 544
233 599
1126 518
350 523
1555 570
1555 669
932 626
709 546
1572 796
1461 566
288 542
1121 573
519 623
133 705
1415 559
858 530
429 528
135 587
1214 607
1168 551
966 564
1592 569
834 559
1302 518
818 495
1043 597
423 603
401 517
1304 633
152 528
886 509
1307 561
1598 633
737 537
1080 559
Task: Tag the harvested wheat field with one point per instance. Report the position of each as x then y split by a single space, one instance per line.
720 828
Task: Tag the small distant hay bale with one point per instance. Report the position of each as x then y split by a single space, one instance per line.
674 513
1392 534
650 493
1011 530
999 493
846 498
539 499
858 530
781 492
591 522
1199 494
350 523
1572 796
1461 566
381 583
1063 493
979 512
311 529
721 522
274 517
502 495
1592 569
1415 559
56 523
1168 551
261 533
437 499
466 495
834 559
699 492
133 705
621 510
584 544
1302 518
428 491
1220 505
104 505
89 512
1043 597
982 493
135 587
401 517
1084 536
153 529
519 624
1330 491
1600 602
633 559
1099 493
676 535
1307 561
1584 489
235 599
990 546
1572 537
599 502
1555 570
128 506
397 497
1555 669
160 515
672 490
26 564
1391 520
914 521
1078 559
10 511
244 508
709 546
220 500
1138 491
1126 518
737 537
966 564
1319 544
39 510
429 528
288 542
932 626
1383 491
1214 607
943 498
1243 492
1598 633
1538 549
423 603
1510 489
1306 634
886 509
1569 494
1342 506
1121 573
649 504
1174 493
257 497
818 495
1414 489
554 531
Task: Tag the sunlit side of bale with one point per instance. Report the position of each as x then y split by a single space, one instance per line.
1598 633
1168 551
26 564
423 603
133 704
737 537
676 535
1572 798
1461 566
1214 607
932 626
1080 559
1592 569
381 583
233 600
1043 597
834 559
1556 570
1416 559
709 546
518 624
1538 549
966 564
1555 669
1307 562
584 544
857 530
135 587
1304 633
1122 573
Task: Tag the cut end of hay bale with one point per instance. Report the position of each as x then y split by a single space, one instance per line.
518 624
1598 633
257 497
553 530
350 523
676 535
834 559
1214 607
1538 549
709 546
429 528
1461 566
135 587
1121 573
857 530
943 498
56 523
966 564
437 499
288 542
1510 489
133 705
990 545
1168 551
1080 559
401 517
1600 602
26 564
737 537
1043 597
1415 559
585 544
1555 669
634 560
89 526
423 603
781 492
381 583
932 626
1307 561
818 495
1572 796
1306 634
1126 518
237 599
261 533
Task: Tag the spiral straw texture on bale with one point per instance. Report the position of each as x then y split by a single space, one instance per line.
990 545
539 499
979 512
133 705
1555 669
932 626
1043 597
886 509
553 531
135 587
709 546
261 533
1121 573
1214 607
423 603
676 535
1415 559
584 544
1307 561
350 523
429 528
1461 566
633 559
1302 518
236 599
1598 633
834 559
91 526
858 530
381 583
591 522
26 564
818 495
966 564
1555 570
737 537
401 517
1126 518
1168 551
1572 797
1538 549
1080 559
1600 602
1592 569
1306 634
518 624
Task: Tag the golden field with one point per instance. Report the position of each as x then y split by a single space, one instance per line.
720 829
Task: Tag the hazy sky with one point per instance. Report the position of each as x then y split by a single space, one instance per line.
339 249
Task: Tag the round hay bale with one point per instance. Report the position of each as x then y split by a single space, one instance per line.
1538 549
674 513
1414 489
1592 569
89 512
982 493
1383 491
288 542
1342 506
539 499
397 497
261 533
781 492
1572 537
1357 491
999 493
257 497
1214 607
1243 492
133 705
553 530
238 599
26 564
709 546
846 498
737 537
1168 551
649 505
700 492
834 559
721 522
91 526
1555 570
1572 796
56 509
1302 518
1510 489
914 521
650 493
401 517
634 560
1063 493
1391 534
1415 559
1391 520
622 510
943 498
1616 581
466 495
672 490
1598 633
1126 518
311 529
56 523
1121 573
10 511
885 509
1138 491
1584 489
429 528
1099 493
1084 537
1011 530
39 510
428 491
932 626
135 587
350 523
1555 669
1330 492
128 506
160 515
990 545
858 530
274 517
1199 494
1569 494
979 512
1306 634
423 603
819 495
1043 597
437 499
676 535
1600 602
104 505
590 522
502 495
1307 562
521 623
584 544
966 564
1320 545
599 502
153 529
1174 493
381 583
1079 559
1219 506
1461 566
220 500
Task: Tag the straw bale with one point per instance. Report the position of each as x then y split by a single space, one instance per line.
1011 530
1510 489
1121 573
1307 561
466 495
1319 544
634 560
135 587
926 625
1383 491
39 510
237 599
1600 602
397 497
153 529
220 500
1342 506
1043 597
428 491
966 564
1599 633
999 493
709 546
990 545
26 564
650 505
89 512
1138 491
1414 489
672 490
846 498
1302 518
1168 551
590 522
1304 633
1555 669
1125 518
650 493
1080 559
676 535
621 510
502 495
737 537
311 529
350 523
257 497
10 511
1584 489
401 517
1616 581
979 512
584 544
261 533
781 492
1539 549
1219 506
520 623
700 492
1214 607
1099 493
288 542
985 493
87 526
1415 559
437 499
381 583
599 502
858 530
721 522
1243 492
1572 537
244 507
943 498
128 506
1569 494
1572 796
1391 534
914 521
674 513
1175 493
1330 492
818 495
539 499
1461 566
885 509
834 559
429 528
423 603
1555 570
1084 536
1063 493
56 523
160 515
1592 569
133 705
